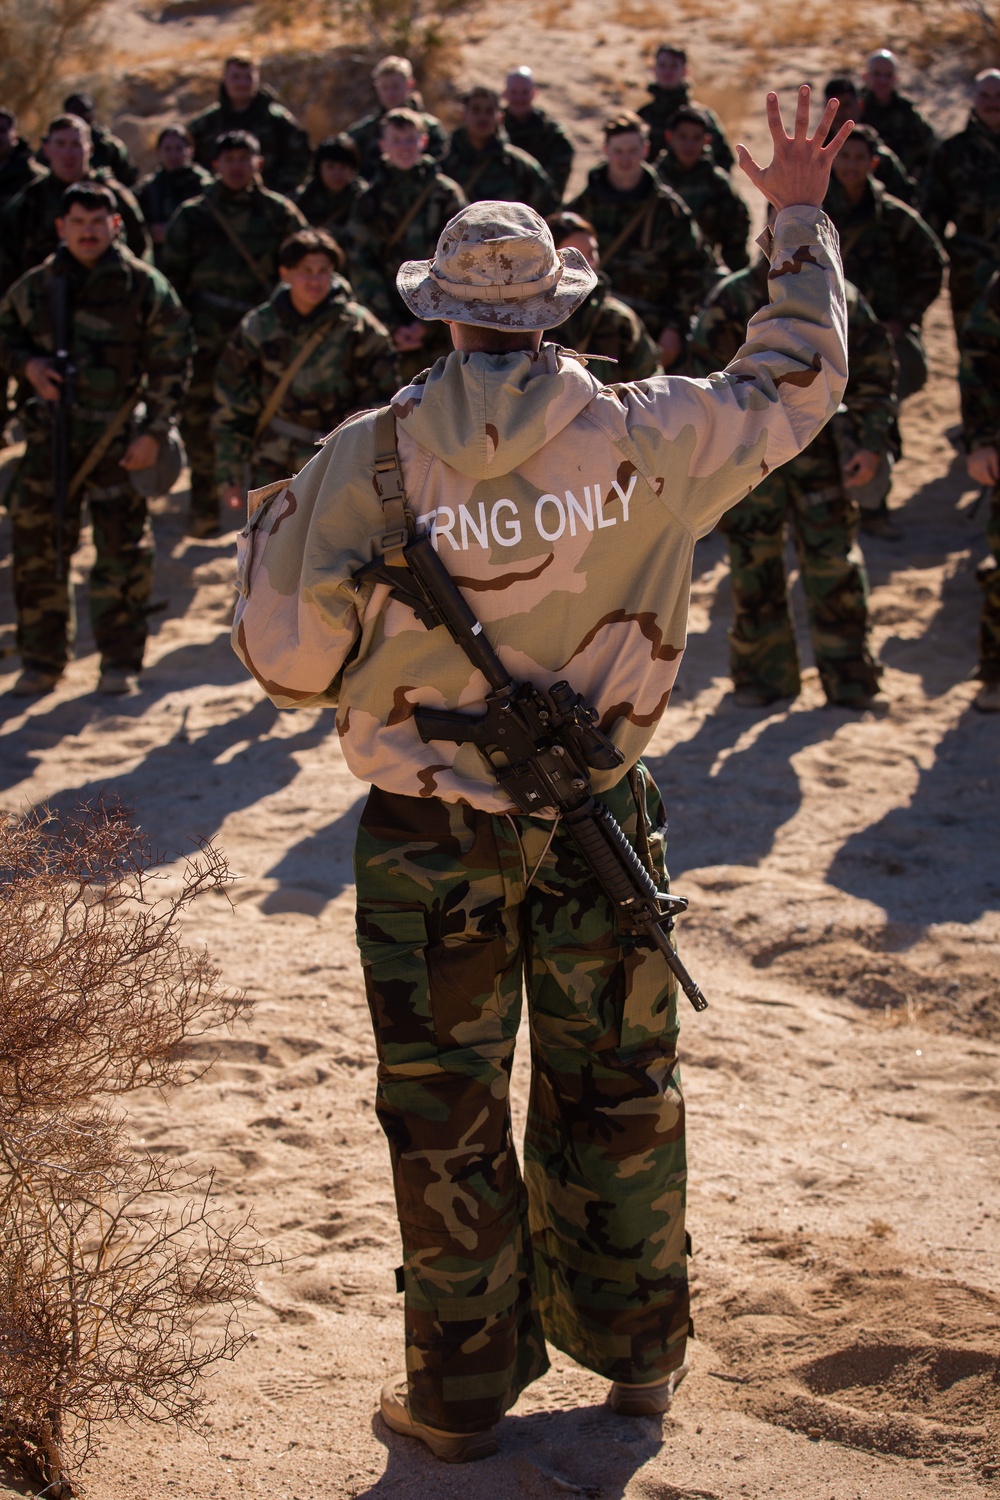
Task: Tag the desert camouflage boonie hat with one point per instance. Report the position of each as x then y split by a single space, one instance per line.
496 266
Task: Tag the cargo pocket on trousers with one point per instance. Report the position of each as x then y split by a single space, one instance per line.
464 977
392 943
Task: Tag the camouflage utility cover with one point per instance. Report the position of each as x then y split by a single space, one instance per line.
552 499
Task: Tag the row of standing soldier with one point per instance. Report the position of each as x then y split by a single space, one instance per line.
664 235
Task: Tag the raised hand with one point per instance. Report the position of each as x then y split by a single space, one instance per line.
800 168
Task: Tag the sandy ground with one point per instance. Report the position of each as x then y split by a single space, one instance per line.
845 888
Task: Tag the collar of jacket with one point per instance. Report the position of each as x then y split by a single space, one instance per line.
670 98
263 96
281 301
649 182
112 263
494 146
224 197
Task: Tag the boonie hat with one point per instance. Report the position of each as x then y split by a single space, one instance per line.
496 266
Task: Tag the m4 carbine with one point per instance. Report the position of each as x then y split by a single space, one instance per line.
541 745
62 410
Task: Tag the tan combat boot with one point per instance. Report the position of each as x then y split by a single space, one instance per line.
450 1447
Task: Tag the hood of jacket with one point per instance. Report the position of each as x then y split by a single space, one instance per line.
486 414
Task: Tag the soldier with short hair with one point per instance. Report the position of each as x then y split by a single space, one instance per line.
28 230
603 325
532 129
176 178
18 166
247 104
330 196
896 118
106 149
399 217
687 167
486 166
979 384
813 497
296 367
962 192
221 253
887 168
671 91
651 248
129 340
393 82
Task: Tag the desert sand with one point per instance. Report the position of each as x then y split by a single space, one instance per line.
844 879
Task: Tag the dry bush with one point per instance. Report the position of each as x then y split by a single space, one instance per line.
43 45
967 29
119 1280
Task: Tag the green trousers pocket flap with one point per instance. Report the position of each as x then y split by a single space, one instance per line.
384 934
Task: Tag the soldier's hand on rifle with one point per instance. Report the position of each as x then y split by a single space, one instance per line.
43 377
862 467
231 496
983 465
799 171
141 452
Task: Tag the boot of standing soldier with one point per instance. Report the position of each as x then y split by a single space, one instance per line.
979 385
126 333
221 253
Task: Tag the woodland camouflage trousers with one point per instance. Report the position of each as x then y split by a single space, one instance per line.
121 578
823 521
989 579
588 1249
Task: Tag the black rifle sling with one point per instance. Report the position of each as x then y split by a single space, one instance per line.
391 492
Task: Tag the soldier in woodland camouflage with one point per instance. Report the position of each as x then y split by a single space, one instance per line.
484 163
886 165
392 79
811 495
671 92
244 104
177 178
896 118
399 218
18 167
533 130
129 338
603 324
106 149
221 253
686 166
650 245
566 512
28 225
330 196
351 365
962 192
979 383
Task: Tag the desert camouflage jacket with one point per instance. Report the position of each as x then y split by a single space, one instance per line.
902 128
28 224
663 269
606 325
870 398
354 367
127 328
366 134
566 510
889 253
979 371
500 172
666 102
212 278
545 140
284 145
719 211
963 189
377 215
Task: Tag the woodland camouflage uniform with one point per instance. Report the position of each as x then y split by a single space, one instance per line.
499 172
161 193
127 329
18 171
546 140
663 270
664 104
719 211
963 190
979 382
903 129
355 366
110 153
28 224
890 172
367 136
284 145
896 262
606 325
807 495
219 287
567 512
330 211
378 214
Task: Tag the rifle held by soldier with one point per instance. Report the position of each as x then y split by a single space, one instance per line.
61 409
